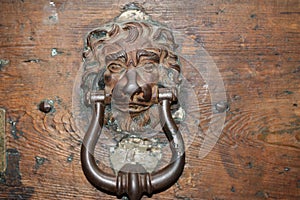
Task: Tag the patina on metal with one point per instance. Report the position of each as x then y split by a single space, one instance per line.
131 76
132 149
2 140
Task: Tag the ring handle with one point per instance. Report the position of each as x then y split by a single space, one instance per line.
132 180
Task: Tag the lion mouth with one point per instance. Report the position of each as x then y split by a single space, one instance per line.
137 108
132 107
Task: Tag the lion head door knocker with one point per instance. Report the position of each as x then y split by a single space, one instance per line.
131 79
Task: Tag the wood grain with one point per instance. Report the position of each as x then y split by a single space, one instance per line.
255 45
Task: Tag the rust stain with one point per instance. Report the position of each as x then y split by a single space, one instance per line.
39 161
14 131
2 140
12 172
10 181
3 63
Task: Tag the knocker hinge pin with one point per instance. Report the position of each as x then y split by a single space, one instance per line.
167 94
100 96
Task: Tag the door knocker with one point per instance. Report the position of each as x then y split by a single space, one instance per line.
130 80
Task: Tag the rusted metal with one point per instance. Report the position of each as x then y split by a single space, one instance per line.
140 77
46 106
133 180
129 59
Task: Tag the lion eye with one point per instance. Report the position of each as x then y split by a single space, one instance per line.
114 68
149 67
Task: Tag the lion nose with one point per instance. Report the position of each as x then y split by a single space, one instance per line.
132 86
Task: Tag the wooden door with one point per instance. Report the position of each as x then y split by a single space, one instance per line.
255 46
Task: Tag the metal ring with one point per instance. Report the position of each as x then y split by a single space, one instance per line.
133 183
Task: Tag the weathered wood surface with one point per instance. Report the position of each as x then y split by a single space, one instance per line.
255 45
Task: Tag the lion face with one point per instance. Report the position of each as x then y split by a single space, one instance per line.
132 78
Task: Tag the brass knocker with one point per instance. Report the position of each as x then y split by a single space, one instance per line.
132 71
133 180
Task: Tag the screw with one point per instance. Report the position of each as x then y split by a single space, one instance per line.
46 106
221 106
232 189
54 52
286 169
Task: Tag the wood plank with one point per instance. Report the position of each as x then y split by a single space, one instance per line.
255 45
